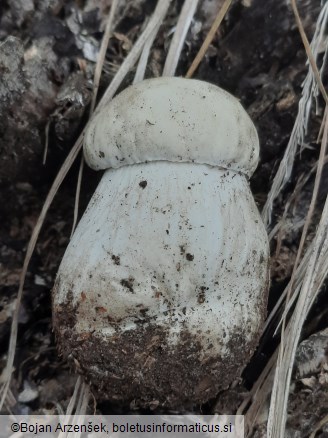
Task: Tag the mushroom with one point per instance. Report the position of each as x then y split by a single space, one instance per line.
162 292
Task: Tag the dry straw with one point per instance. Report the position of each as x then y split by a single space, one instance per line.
310 271
309 92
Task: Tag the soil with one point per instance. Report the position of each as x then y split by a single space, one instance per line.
48 50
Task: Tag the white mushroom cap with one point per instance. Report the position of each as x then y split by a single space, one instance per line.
173 119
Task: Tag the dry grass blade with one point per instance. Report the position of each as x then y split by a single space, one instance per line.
281 228
257 396
263 385
72 402
309 215
77 195
309 289
6 375
10 402
81 407
157 17
46 134
278 406
142 64
186 15
297 136
102 55
307 279
78 404
299 275
209 37
308 49
96 80
321 423
130 60
316 272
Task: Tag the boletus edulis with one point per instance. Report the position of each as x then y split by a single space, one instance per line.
162 292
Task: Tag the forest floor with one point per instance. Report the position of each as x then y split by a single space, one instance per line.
48 51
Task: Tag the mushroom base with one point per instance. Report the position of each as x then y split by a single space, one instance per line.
138 368
162 291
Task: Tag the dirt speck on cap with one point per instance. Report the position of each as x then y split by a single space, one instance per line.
143 184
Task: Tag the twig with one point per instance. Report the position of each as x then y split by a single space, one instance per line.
209 38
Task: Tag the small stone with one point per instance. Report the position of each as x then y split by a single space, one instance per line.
28 394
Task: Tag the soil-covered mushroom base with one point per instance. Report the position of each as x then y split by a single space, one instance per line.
138 367
160 299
